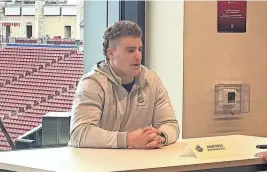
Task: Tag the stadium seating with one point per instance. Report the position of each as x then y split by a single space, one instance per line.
60 41
26 40
34 81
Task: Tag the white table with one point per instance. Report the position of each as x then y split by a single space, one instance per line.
70 159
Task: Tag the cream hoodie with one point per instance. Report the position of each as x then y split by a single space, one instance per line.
103 111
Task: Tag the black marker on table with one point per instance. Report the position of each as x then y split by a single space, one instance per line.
261 146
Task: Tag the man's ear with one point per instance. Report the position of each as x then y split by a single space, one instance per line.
110 53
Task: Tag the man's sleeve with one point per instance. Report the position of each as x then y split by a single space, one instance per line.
164 117
86 113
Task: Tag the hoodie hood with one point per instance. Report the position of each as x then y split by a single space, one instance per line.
104 68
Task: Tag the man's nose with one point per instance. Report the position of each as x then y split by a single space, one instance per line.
138 55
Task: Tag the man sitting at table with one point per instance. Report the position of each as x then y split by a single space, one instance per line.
120 103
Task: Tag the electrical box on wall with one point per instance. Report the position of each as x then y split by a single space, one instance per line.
232 99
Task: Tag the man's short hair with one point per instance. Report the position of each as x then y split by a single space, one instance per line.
120 29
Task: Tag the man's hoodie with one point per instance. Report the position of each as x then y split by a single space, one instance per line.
103 111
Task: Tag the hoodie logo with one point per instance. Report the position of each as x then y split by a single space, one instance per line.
141 101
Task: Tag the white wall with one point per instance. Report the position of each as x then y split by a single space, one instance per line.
55 25
25 20
164 48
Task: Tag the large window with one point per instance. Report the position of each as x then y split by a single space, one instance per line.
41 62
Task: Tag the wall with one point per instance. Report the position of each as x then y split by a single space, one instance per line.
55 25
211 58
25 20
164 47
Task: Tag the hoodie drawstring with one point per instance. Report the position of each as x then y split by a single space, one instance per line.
115 99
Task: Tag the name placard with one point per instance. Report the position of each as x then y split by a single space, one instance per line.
208 149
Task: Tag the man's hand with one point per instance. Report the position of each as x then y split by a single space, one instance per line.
145 138
263 155
156 143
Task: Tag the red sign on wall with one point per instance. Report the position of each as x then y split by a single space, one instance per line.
10 24
232 16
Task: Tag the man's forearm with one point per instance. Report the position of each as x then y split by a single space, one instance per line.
94 137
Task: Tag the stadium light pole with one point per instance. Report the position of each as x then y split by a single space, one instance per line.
8 138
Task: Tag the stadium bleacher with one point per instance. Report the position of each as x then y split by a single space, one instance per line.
54 41
35 80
